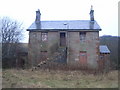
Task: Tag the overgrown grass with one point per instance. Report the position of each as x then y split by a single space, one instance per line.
57 79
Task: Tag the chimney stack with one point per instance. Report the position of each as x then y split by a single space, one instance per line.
92 14
38 14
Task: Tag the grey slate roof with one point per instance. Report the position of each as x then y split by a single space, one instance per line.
65 25
104 49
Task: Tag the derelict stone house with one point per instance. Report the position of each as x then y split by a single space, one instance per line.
79 39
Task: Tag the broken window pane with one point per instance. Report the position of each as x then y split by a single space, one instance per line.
44 36
82 36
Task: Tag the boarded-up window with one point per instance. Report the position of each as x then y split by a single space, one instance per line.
44 36
82 36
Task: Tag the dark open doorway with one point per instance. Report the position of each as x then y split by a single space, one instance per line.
62 39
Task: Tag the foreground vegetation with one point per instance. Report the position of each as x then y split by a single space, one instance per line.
13 78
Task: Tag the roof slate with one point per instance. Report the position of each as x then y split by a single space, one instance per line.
104 49
65 25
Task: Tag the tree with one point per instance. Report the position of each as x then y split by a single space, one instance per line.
112 43
12 33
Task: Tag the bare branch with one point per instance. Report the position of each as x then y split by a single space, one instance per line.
11 33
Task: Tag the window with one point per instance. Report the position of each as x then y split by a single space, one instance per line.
44 52
101 57
62 39
44 36
82 36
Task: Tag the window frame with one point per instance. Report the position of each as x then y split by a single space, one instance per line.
82 35
44 36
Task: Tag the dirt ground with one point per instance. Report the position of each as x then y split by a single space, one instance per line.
13 78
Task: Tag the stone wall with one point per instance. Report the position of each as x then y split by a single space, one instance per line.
53 42
90 45
37 46
74 46
104 62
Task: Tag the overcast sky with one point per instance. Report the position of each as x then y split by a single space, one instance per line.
105 12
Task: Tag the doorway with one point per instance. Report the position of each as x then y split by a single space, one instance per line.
83 59
62 39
